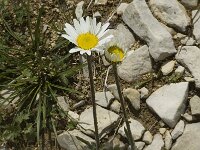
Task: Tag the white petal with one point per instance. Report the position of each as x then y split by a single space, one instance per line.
98 27
103 34
70 29
89 52
82 51
83 25
93 25
77 26
105 40
71 39
73 50
98 49
103 29
87 23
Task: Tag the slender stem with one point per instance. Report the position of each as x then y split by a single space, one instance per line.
131 140
93 101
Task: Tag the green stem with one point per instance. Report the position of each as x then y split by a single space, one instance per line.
125 118
93 101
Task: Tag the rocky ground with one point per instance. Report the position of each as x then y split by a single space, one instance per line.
160 77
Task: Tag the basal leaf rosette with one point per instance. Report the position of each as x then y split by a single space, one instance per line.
87 35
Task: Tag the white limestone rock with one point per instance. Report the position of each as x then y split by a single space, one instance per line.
168 102
188 117
180 70
195 105
168 67
73 115
168 140
157 143
189 79
136 127
79 104
190 3
133 96
178 130
122 35
106 120
62 103
171 12
189 58
189 41
144 92
69 140
147 137
139 145
162 130
135 64
103 98
190 138
115 106
97 15
140 19
113 89
121 8
100 2
196 31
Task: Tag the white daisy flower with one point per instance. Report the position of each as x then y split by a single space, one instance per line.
87 35
115 52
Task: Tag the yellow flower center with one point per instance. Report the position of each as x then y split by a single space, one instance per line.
87 41
118 52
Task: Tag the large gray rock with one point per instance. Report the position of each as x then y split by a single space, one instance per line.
168 102
196 22
190 3
113 89
171 12
135 64
195 105
68 140
178 130
103 98
190 138
62 103
140 19
106 119
157 143
123 36
189 57
133 96
136 127
121 8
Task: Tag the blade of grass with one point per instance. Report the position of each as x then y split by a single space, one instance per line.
37 29
64 88
38 122
27 6
8 29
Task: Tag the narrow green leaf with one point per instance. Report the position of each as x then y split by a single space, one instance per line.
38 121
64 88
12 33
37 29
60 44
